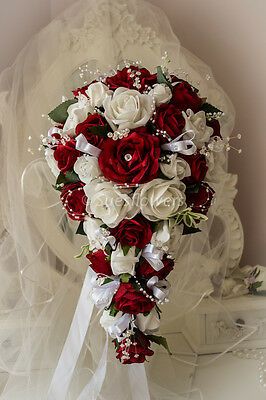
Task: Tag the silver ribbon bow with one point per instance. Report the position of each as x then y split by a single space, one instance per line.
85 147
160 289
119 326
154 256
185 146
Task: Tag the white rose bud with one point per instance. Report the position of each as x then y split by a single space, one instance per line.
161 93
197 124
160 199
97 92
149 323
177 167
87 168
123 264
128 108
49 156
77 113
115 325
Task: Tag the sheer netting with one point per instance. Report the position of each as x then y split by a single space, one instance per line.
40 279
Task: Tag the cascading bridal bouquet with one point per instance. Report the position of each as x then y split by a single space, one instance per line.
130 155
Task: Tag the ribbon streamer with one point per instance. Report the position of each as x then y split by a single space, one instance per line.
182 146
154 256
68 359
85 147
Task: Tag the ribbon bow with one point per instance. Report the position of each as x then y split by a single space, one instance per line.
154 256
160 289
185 146
119 326
102 295
85 147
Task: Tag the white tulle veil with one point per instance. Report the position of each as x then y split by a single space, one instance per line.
40 278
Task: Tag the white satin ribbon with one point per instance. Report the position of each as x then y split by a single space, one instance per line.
92 390
85 147
138 382
182 146
67 362
154 256
160 289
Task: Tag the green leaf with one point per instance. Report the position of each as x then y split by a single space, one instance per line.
71 177
125 278
113 310
211 111
126 249
60 114
193 188
190 230
84 250
161 78
80 230
107 280
100 130
137 251
161 341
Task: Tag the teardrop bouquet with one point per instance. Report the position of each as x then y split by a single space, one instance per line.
129 152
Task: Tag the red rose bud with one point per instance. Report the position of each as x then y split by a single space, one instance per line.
168 118
66 155
93 120
123 78
81 90
201 200
133 232
99 263
145 270
198 167
185 96
215 125
133 349
133 159
74 200
132 301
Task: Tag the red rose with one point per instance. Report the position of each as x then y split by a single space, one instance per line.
133 232
123 78
133 159
145 270
185 96
81 90
198 167
168 118
66 155
201 200
93 120
74 200
129 300
136 351
99 263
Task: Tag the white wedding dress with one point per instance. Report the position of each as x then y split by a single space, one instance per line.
40 279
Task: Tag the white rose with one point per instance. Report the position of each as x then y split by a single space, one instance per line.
128 108
87 168
97 92
49 156
161 93
176 232
177 167
160 199
149 323
197 124
98 237
77 113
109 203
123 264
115 325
